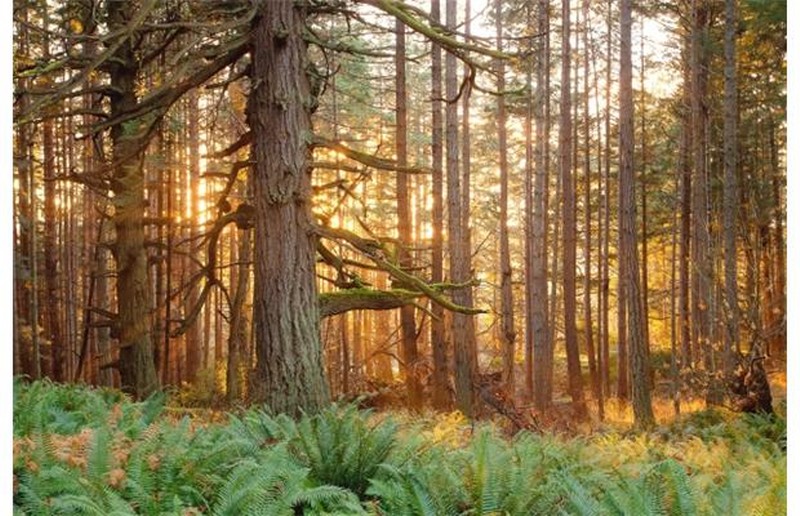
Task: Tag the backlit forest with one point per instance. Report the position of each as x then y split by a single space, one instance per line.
399 257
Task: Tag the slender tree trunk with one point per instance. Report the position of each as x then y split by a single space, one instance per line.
289 370
644 177
568 216
194 335
529 166
639 360
441 382
52 310
701 280
22 217
730 189
685 171
506 299
542 334
464 350
407 322
587 206
238 333
605 278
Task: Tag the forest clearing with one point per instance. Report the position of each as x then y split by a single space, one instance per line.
399 257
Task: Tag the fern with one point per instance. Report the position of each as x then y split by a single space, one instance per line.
340 448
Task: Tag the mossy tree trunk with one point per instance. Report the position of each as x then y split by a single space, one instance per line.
136 361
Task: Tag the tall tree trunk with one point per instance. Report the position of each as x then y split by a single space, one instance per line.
22 216
238 333
506 299
52 311
193 342
701 280
408 328
568 216
605 279
136 360
289 369
685 178
463 350
730 189
644 177
542 335
441 382
639 360
587 206
528 132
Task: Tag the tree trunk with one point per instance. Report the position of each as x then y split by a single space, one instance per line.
408 330
289 371
701 280
464 350
568 216
194 335
730 189
238 334
506 294
639 360
441 382
685 172
587 206
136 360
542 336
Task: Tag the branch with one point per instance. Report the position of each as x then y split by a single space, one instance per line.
366 159
374 251
333 303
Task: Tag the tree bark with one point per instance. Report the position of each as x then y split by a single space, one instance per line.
289 371
568 217
464 350
701 277
542 336
441 383
730 189
639 360
136 360
506 294
587 206
408 330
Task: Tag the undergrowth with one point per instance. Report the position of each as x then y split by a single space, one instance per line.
89 451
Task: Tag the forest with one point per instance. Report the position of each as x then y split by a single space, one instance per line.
399 257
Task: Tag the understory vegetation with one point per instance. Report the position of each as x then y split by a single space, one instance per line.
93 451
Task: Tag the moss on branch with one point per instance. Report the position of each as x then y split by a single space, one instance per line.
341 301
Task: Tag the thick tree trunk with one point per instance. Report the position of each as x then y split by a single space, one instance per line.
136 360
289 370
639 360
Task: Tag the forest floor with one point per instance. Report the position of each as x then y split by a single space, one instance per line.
94 451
